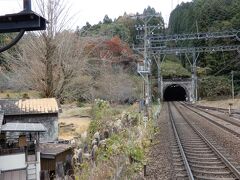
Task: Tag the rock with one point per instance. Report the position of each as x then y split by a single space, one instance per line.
87 156
102 143
102 137
94 142
96 135
93 153
114 130
106 134
85 148
80 156
73 142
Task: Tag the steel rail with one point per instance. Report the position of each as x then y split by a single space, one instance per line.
217 152
214 115
185 161
214 122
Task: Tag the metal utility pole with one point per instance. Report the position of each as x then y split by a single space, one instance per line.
194 77
232 73
147 71
144 69
159 60
146 64
27 5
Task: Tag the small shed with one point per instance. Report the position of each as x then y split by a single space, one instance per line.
56 158
43 111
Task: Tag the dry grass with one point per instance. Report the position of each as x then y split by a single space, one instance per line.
73 121
221 103
72 127
18 94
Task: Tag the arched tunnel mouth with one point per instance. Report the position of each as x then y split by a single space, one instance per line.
175 92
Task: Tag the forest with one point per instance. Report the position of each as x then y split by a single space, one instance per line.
211 16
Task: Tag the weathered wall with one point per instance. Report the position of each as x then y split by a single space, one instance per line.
50 164
16 175
50 121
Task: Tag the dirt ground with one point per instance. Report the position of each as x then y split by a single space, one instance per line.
221 103
74 121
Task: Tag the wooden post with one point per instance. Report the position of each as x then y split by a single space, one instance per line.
145 170
230 109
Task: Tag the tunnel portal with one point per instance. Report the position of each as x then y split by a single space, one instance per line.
175 92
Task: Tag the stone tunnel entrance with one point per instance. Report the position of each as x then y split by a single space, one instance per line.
175 92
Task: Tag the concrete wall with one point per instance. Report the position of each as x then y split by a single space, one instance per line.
38 166
50 121
12 162
186 84
17 161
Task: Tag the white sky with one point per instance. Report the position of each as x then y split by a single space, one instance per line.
93 11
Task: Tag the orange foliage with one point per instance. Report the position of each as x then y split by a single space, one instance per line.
113 50
118 47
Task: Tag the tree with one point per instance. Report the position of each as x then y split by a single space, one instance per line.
107 20
116 86
48 60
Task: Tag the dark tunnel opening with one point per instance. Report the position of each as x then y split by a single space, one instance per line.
175 93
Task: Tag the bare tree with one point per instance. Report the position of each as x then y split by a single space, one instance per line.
44 59
115 85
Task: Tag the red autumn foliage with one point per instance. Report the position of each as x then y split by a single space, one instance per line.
113 50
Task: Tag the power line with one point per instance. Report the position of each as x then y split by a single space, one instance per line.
184 50
193 36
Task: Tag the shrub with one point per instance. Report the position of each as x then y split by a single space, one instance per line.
80 104
25 96
100 112
99 109
136 153
215 86
174 70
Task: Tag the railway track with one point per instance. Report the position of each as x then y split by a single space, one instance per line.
222 110
230 125
195 157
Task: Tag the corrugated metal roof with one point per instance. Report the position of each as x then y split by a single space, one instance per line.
29 106
23 127
53 149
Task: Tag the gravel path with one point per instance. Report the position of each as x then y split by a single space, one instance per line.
160 163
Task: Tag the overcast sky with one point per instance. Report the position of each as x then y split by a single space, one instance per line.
93 11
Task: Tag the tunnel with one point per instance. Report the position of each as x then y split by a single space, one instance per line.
175 92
